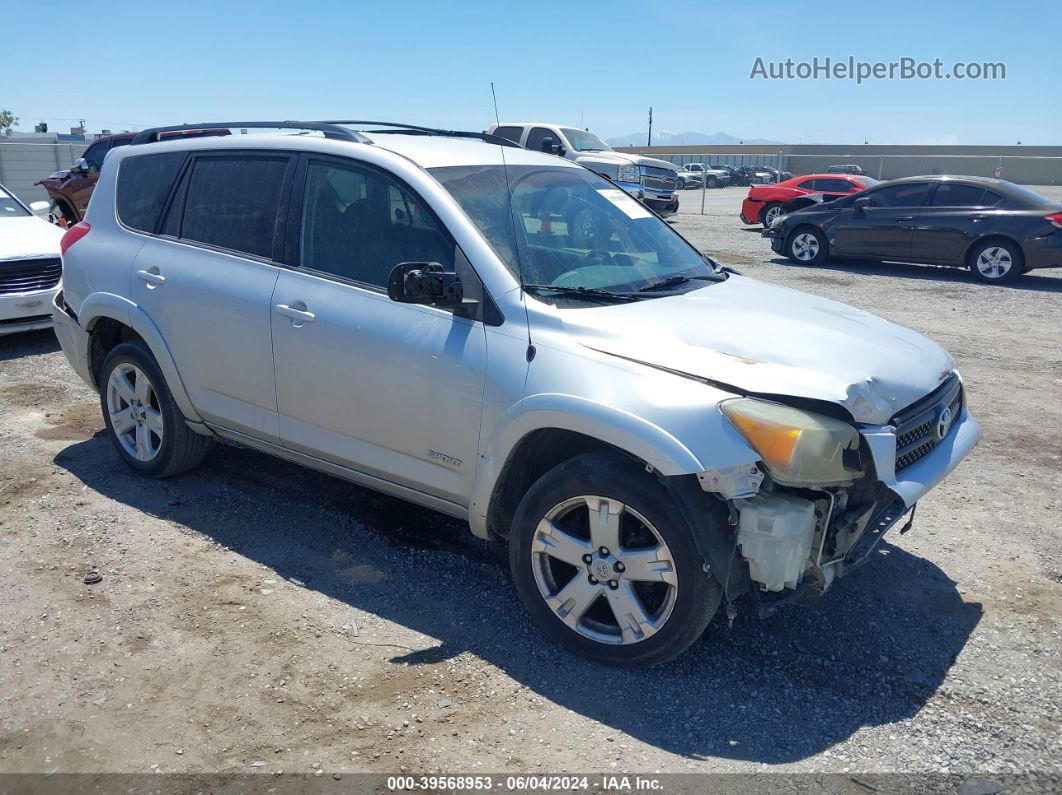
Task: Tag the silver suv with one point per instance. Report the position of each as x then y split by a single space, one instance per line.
508 338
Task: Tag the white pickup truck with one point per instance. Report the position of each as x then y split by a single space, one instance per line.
653 182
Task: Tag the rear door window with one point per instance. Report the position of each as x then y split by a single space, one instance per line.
512 133
144 183
950 194
232 202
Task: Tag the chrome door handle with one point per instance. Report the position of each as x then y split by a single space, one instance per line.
151 277
901 218
300 315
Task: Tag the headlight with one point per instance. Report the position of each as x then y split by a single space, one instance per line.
798 447
778 220
628 173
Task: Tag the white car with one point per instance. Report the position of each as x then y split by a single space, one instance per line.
30 269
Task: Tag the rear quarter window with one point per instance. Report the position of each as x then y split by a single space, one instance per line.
144 183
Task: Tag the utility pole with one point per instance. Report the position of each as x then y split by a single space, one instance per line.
650 143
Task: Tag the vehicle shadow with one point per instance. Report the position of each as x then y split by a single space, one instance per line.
870 653
28 343
1036 281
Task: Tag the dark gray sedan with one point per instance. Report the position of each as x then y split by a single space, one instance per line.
995 228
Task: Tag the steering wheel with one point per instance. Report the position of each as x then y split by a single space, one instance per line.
597 256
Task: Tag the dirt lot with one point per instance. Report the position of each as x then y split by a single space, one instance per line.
254 616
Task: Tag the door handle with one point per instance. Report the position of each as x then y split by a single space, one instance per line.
296 314
152 277
901 218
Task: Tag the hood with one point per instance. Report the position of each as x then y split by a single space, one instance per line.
758 338
28 236
615 159
54 180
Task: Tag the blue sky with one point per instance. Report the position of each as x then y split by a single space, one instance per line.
125 64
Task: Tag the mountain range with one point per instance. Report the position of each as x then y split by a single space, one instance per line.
668 138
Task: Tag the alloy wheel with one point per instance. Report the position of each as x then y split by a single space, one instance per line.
135 414
805 246
994 262
604 570
770 215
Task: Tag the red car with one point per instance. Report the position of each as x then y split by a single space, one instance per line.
764 202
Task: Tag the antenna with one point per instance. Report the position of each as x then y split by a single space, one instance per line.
495 98
516 242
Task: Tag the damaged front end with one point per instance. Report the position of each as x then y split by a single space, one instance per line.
825 491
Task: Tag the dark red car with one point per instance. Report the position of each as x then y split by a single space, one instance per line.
764 202
71 188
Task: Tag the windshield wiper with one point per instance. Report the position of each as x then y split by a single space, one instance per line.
583 292
676 280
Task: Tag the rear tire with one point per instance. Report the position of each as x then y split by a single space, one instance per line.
143 422
639 599
807 246
713 182
997 262
770 211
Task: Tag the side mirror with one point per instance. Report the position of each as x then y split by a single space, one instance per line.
40 208
861 203
552 148
80 167
424 283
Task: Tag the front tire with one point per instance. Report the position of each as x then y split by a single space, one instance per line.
144 424
713 182
807 246
606 566
997 262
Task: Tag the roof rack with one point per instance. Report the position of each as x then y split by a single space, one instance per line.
330 129
399 128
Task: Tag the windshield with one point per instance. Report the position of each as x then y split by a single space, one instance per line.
572 229
583 141
9 206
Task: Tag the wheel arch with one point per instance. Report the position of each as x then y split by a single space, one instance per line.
542 431
993 237
110 320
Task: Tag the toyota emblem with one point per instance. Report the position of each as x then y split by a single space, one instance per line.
944 420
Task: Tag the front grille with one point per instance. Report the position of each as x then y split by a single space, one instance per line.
660 183
27 275
918 427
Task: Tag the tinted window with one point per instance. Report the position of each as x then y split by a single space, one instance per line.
232 202
990 199
120 142
907 194
950 194
808 184
144 182
537 136
512 133
94 155
358 224
835 185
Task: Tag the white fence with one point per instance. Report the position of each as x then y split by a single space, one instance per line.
1022 169
23 164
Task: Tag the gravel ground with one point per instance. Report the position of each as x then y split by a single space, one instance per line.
255 617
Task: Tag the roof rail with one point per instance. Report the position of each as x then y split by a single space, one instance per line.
330 129
413 129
